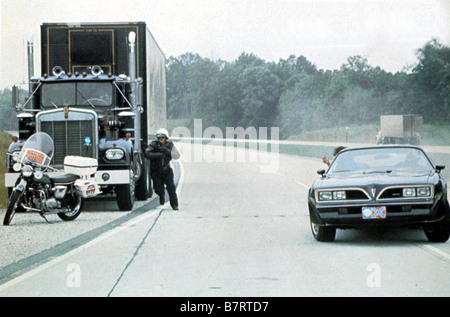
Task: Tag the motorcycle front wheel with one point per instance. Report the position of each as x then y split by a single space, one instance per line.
75 207
13 204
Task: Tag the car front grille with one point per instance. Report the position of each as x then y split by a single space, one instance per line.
356 194
348 210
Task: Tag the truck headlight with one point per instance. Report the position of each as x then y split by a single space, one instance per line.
114 154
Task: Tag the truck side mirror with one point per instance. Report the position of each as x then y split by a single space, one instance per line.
321 172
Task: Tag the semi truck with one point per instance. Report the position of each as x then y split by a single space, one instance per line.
401 129
101 94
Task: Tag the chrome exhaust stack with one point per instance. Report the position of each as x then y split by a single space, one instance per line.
135 102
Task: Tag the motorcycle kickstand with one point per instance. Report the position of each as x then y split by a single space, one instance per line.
43 216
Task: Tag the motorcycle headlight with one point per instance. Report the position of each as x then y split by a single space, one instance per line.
17 167
38 174
114 154
15 156
27 171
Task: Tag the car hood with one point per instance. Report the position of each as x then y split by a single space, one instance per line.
361 179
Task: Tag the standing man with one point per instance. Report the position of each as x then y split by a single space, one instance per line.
160 152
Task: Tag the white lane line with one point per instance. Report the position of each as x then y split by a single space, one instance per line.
303 185
437 251
262 168
280 174
83 247
75 251
181 180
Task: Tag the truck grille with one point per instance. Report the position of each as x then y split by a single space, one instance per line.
69 135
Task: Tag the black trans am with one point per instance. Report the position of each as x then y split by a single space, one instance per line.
380 186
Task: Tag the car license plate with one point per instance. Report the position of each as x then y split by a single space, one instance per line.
374 212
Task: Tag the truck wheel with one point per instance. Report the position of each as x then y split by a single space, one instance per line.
143 184
125 195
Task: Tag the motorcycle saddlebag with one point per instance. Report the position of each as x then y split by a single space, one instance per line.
87 188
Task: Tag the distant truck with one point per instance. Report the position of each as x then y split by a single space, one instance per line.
401 129
101 93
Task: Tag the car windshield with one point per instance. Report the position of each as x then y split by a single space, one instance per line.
382 160
91 94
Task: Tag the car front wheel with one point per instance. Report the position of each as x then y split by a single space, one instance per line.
323 233
438 232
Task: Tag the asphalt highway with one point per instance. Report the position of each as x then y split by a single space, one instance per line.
242 230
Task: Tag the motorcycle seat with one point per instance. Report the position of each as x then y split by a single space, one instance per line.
66 178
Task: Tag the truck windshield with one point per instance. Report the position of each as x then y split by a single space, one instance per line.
90 94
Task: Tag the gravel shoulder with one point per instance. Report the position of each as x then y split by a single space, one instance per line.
29 240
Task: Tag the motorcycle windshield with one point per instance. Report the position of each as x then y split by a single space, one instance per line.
38 150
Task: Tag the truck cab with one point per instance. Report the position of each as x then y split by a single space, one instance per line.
101 111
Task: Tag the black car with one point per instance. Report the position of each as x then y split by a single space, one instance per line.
380 186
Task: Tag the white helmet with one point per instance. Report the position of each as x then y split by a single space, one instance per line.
162 133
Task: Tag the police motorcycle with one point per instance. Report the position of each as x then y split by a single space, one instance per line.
38 192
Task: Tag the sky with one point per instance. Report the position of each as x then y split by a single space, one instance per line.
387 32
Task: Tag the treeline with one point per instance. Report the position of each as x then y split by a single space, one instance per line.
296 96
8 116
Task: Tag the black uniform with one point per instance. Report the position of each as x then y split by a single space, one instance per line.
162 174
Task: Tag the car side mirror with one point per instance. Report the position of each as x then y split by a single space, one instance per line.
321 172
440 167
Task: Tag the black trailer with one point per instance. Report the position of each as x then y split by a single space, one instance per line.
101 93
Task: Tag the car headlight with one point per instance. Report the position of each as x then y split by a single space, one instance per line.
114 154
417 192
409 192
339 195
325 196
27 171
332 195
423 192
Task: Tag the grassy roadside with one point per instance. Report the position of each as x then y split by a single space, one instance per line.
432 135
5 141
317 151
435 135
